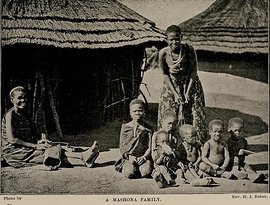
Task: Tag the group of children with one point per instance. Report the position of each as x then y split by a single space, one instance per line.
171 157
175 158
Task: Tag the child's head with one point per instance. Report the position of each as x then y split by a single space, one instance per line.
169 121
18 97
173 34
216 129
235 126
188 133
162 137
137 110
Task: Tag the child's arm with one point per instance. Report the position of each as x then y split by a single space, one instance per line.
226 159
153 145
13 140
147 154
244 150
158 157
205 151
199 159
142 159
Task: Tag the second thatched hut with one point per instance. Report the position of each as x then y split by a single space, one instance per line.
231 36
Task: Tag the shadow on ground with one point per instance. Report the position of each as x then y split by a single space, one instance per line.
253 124
108 135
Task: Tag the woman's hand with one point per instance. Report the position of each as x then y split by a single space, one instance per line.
178 99
175 69
187 97
132 159
141 160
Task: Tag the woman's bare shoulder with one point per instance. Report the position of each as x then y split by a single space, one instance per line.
164 50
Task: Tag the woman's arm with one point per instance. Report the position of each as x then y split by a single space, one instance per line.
13 140
165 70
193 66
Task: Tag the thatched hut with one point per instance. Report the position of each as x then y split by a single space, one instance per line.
231 35
80 59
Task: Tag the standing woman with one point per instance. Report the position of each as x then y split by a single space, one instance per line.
182 91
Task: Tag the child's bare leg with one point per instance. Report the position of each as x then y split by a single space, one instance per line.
166 174
146 169
206 168
129 169
180 177
248 169
190 176
157 176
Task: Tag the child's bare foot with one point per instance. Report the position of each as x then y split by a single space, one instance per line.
203 182
171 182
229 176
180 181
159 180
260 178
242 175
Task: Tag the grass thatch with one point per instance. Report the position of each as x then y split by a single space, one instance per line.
232 26
75 24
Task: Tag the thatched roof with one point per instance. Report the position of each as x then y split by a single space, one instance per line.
75 24
231 26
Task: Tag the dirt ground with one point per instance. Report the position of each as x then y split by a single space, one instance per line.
226 96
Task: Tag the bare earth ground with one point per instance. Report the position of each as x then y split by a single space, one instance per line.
226 96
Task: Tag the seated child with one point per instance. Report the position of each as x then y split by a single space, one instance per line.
238 149
135 144
20 145
168 124
215 154
190 156
166 162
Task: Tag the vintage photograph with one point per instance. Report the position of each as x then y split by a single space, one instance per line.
134 97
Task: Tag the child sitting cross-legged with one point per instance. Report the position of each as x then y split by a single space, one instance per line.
190 156
135 144
166 164
238 149
215 154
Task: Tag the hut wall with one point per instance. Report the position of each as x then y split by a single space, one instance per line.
83 82
248 65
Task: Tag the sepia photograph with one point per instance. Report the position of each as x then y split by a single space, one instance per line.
134 101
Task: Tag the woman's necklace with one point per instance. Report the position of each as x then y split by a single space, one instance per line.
179 59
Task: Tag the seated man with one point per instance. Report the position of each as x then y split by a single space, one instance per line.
135 144
20 137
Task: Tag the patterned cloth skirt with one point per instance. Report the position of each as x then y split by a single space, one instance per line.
192 112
